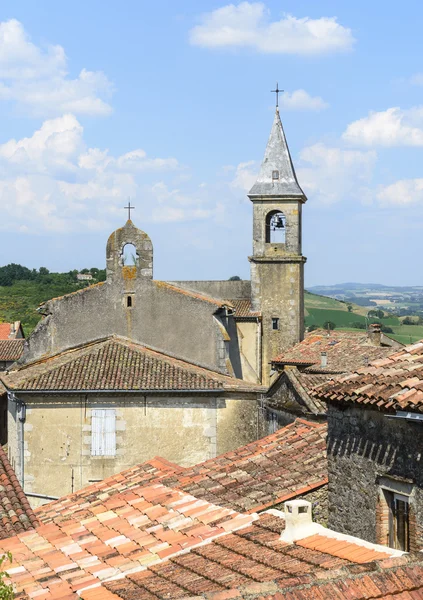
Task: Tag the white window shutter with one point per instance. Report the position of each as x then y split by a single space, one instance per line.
103 432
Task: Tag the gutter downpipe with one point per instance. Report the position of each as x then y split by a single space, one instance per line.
21 414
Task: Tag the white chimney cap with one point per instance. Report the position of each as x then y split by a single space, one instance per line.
298 521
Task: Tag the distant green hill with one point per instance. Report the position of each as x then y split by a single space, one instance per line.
23 290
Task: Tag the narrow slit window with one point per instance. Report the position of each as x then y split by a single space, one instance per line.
275 323
129 301
275 175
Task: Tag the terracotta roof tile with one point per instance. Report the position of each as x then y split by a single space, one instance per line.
5 331
281 466
392 384
116 363
11 350
112 539
253 562
345 351
242 309
16 515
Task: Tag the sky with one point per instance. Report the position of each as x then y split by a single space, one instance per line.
169 104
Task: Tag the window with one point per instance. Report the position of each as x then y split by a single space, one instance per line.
275 323
275 227
399 522
103 432
129 301
275 175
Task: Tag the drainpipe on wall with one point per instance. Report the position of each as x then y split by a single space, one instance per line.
21 414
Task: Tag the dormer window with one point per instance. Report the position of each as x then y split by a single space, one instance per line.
275 175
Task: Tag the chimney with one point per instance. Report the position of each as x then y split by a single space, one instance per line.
298 521
323 360
374 333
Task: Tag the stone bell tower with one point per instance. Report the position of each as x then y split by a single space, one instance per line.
277 264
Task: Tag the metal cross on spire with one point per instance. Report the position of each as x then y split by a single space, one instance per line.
129 208
277 92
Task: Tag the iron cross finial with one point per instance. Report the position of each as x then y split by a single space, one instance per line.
129 208
277 92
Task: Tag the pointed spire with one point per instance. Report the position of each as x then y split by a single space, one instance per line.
277 176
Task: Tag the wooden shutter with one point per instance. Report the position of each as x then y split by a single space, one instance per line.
103 432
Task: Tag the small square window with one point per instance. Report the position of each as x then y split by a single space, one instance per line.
129 301
275 174
275 323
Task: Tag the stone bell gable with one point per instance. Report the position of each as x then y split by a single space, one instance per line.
191 325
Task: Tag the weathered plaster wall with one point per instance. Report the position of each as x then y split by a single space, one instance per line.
249 340
365 446
159 317
219 288
185 430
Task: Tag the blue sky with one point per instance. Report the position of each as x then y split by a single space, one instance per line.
169 103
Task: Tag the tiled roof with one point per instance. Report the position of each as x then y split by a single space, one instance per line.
16 515
303 383
242 309
116 363
389 384
138 476
345 350
245 562
192 294
11 350
4 331
123 534
281 466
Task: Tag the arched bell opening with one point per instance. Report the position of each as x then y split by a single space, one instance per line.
275 227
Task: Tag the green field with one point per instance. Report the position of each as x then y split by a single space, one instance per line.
320 309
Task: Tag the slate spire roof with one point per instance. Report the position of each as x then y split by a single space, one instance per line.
277 159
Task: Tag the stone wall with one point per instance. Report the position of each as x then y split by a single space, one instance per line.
183 429
369 452
223 289
159 316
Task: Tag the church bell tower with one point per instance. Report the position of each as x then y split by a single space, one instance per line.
277 264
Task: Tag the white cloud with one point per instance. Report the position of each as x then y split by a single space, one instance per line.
51 181
174 205
301 100
245 175
392 127
331 174
248 25
401 193
37 79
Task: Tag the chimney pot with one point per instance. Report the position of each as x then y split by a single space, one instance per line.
298 521
323 360
374 334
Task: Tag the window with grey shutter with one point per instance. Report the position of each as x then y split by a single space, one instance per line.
103 432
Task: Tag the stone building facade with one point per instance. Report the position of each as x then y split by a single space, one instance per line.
94 410
374 449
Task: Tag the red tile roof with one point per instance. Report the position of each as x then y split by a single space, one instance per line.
11 350
389 384
240 564
242 309
345 350
16 515
281 466
116 363
264 473
120 535
4 331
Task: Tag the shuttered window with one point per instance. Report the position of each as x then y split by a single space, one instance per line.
103 432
